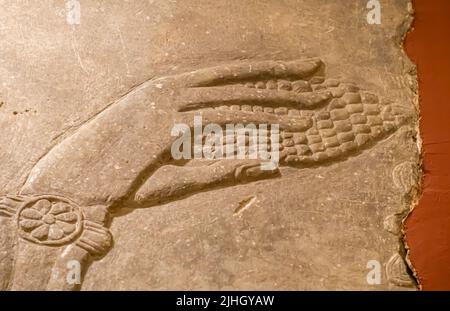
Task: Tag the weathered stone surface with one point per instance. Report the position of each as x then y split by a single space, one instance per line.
87 173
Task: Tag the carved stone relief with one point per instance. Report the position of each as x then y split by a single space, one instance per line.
118 161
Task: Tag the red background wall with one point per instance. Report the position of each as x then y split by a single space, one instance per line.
428 227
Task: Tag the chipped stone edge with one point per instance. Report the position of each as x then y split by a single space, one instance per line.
413 199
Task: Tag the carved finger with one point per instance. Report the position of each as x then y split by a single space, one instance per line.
212 97
172 182
298 69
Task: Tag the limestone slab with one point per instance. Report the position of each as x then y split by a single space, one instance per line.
88 176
